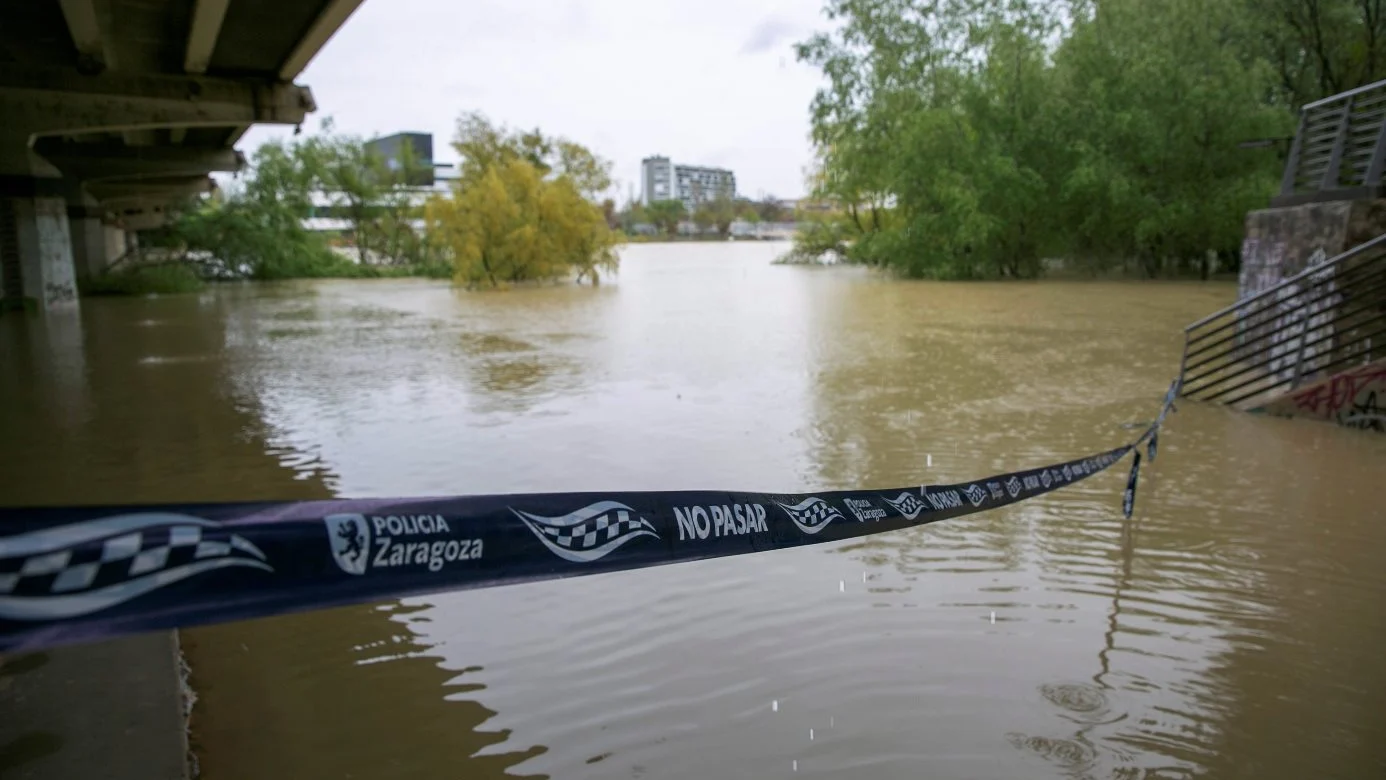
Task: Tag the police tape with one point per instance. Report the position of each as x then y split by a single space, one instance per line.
79 574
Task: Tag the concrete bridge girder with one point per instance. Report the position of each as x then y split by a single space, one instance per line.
96 162
121 193
55 102
137 216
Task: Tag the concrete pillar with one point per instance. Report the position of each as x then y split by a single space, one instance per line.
44 245
115 241
88 240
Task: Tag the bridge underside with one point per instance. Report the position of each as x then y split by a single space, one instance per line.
115 111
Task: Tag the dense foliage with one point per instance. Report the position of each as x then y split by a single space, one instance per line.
161 279
524 208
964 139
257 227
713 216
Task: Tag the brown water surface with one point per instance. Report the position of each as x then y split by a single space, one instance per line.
1234 628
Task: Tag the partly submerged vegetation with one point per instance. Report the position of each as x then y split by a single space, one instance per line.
975 140
157 279
524 209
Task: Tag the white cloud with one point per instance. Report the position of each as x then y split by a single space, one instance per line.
705 82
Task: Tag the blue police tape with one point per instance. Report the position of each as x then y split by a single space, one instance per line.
77 574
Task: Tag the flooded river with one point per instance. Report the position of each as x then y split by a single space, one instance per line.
1235 628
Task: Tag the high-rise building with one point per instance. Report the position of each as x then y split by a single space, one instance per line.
661 179
656 179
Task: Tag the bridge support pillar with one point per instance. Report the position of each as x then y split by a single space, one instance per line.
88 240
36 248
115 241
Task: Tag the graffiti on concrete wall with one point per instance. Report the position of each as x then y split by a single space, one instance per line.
1354 398
1262 265
54 268
59 293
1302 327
1284 333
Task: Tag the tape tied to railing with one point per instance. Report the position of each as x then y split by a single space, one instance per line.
74 574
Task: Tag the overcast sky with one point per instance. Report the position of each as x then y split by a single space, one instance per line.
708 82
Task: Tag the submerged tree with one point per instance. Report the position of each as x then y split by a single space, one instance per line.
524 208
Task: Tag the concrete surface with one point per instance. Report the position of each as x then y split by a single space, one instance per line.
1355 397
110 710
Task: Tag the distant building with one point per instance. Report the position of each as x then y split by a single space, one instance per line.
661 179
430 178
391 149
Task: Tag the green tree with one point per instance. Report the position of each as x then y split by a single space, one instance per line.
745 209
723 209
513 225
1318 48
768 209
352 178
666 214
967 140
523 209
632 214
258 226
1156 99
704 217
398 218
482 144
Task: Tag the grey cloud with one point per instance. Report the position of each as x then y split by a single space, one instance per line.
769 34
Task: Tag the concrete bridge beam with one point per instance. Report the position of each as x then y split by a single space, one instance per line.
94 162
55 101
115 193
39 101
137 215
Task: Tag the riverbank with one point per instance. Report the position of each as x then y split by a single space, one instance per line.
112 709
1055 270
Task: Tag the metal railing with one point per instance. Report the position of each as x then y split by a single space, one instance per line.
1322 320
1339 150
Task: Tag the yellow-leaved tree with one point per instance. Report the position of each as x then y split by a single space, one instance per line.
523 209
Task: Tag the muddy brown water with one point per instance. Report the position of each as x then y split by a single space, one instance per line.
1234 628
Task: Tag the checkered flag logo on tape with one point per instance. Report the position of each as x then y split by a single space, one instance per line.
906 504
589 533
975 494
81 568
812 514
1013 486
